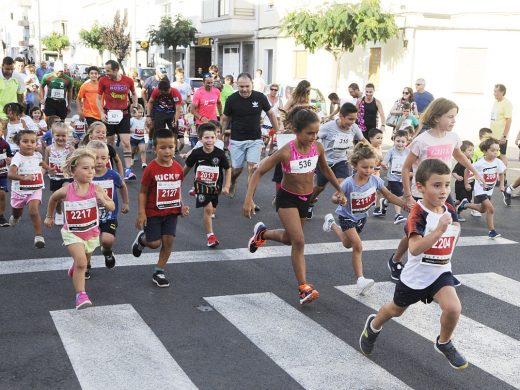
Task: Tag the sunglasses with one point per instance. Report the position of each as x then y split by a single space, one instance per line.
274 89
406 93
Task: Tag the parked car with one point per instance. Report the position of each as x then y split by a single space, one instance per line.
318 100
195 83
144 73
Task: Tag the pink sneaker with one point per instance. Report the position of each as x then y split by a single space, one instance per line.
70 272
82 301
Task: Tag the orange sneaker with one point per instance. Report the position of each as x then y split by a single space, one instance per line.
307 293
257 241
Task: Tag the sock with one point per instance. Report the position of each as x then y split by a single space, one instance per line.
209 234
374 329
158 269
106 251
509 189
438 342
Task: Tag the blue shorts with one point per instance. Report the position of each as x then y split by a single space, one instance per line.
4 185
134 143
248 150
347 223
156 227
405 296
341 170
395 187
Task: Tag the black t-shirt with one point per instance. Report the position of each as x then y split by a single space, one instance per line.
209 169
459 170
245 115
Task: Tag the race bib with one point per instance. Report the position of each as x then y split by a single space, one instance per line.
168 194
114 117
57 163
33 184
108 187
3 164
440 253
80 128
57 93
360 202
81 215
490 180
342 142
139 132
304 165
397 165
207 175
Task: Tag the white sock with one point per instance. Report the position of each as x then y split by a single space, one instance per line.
209 234
374 329
509 189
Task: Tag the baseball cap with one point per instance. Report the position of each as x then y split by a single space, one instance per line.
58 66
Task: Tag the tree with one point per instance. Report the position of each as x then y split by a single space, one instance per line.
56 42
93 38
116 39
340 27
179 32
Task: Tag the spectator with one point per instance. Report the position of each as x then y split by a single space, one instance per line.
217 81
12 88
259 82
368 110
421 96
42 70
354 92
397 108
33 84
501 118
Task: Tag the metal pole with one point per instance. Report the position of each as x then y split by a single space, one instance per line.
39 34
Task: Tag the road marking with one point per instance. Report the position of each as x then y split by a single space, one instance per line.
239 254
310 354
111 347
495 285
492 351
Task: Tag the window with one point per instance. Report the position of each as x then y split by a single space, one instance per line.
63 28
470 67
223 7
166 9
300 64
373 65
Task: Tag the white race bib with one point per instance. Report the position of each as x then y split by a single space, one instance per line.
360 202
207 175
81 215
342 142
397 165
304 165
57 93
440 253
108 187
3 164
168 194
114 116
57 163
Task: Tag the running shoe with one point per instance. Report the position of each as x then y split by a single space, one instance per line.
144 165
399 219
3 222
110 260
461 218
383 205
160 280
364 285
310 212
212 241
456 282
507 196
58 219
475 213
368 336
377 212
493 234
14 221
307 293
256 241
329 221
213 216
39 242
87 272
455 359
257 207
137 246
82 301
192 191
462 206
395 268
129 175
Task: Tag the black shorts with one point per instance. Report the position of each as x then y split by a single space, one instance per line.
156 227
503 148
395 187
4 185
109 226
202 200
163 120
55 185
134 143
287 200
122 127
481 198
277 174
341 170
347 223
405 296
56 107
91 120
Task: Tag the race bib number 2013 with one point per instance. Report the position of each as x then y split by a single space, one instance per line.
207 175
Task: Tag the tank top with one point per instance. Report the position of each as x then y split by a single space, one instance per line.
370 114
81 213
301 163
57 159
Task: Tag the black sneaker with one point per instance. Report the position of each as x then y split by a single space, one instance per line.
462 206
368 337
310 212
137 247
4 222
383 205
456 282
160 280
395 268
110 260
377 212
507 196
455 359
87 272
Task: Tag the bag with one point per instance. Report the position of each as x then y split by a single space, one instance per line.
392 120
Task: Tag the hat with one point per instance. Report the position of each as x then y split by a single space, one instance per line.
207 76
58 66
161 69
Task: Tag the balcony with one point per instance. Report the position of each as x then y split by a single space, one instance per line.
213 10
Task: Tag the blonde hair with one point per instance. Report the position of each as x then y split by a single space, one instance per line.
97 145
72 160
91 128
59 125
435 110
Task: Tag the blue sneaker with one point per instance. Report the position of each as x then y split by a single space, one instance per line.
462 206
493 234
455 359
129 175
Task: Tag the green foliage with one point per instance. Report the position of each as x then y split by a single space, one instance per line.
116 39
178 32
55 42
93 38
340 27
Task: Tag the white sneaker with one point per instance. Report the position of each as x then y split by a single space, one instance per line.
364 285
213 216
58 219
39 242
329 221
13 221
476 213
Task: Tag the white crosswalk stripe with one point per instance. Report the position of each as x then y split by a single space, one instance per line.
495 285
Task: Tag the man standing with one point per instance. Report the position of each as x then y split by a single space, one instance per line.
12 88
501 117
354 92
421 96
59 92
206 102
244 109
42 71
112 102
19 65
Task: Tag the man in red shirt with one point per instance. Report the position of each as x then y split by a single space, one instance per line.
112 102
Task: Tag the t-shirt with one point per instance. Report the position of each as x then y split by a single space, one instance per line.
489 170
209 170
359 198
110 182
88 93
115 93
28 165
9 90
394 158
184 89
245 115
137 128
12 130
409 121
78 126
338 142
164 189
422 99
206 102
41 126
56 86
502 110
227 91
422 270
5 151
426 146
166 102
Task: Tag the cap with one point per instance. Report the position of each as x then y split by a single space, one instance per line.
58 66
161 69
207 76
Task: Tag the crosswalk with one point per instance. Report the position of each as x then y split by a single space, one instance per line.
312 353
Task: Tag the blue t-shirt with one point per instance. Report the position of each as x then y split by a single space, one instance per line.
422 100
359 199
394 158
47 138
110 181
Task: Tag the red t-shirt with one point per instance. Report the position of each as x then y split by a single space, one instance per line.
166 103
115 93
164 189
207 102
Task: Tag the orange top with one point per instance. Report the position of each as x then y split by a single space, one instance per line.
88 94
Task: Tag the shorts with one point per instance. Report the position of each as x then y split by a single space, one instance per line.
347 223
288 200
202 200
248 150
134 143
70 238
478 199
278 173
461 192
78 137
405 296
4 185
156 227
340 170
108 226
91 120
503 148
18 201
122 127
56 107
55 185
162 120
395 187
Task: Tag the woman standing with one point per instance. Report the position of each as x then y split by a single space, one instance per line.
87 95
368 110
138 84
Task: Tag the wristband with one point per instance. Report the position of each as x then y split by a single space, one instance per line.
48 216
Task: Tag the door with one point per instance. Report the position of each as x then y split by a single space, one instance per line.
231 60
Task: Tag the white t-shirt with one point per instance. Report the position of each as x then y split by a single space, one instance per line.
12 130
338 142
137 128
28 165
489 172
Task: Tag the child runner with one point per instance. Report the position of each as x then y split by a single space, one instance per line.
97 131
82 200
55 156
79 129
394 160
5 161
160 203
491 168
110 181
298 159
210 163
137 130
458 174
375 137
27 183
427 276
36 115
360 190
14 124
407 119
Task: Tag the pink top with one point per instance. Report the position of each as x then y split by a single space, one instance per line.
207 102
301 163
81 213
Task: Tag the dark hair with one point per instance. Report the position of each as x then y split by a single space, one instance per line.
373 132
401 133
164 85
501 88
244 75
260 70
18 136
347 108
354 86
17 108
435 110
19 59
486 144
113 64
301 117
163 134
362 151
430 167
8 61
370 85
483 131
407 106
35 108
215 123
229 77
333 96
465 145
206 127
91 68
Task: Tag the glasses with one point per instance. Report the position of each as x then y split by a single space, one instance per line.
406 93
274 89
418 84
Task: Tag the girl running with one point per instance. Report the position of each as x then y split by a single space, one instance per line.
82 199
14 124
137 130
298 159
36 115
97 131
